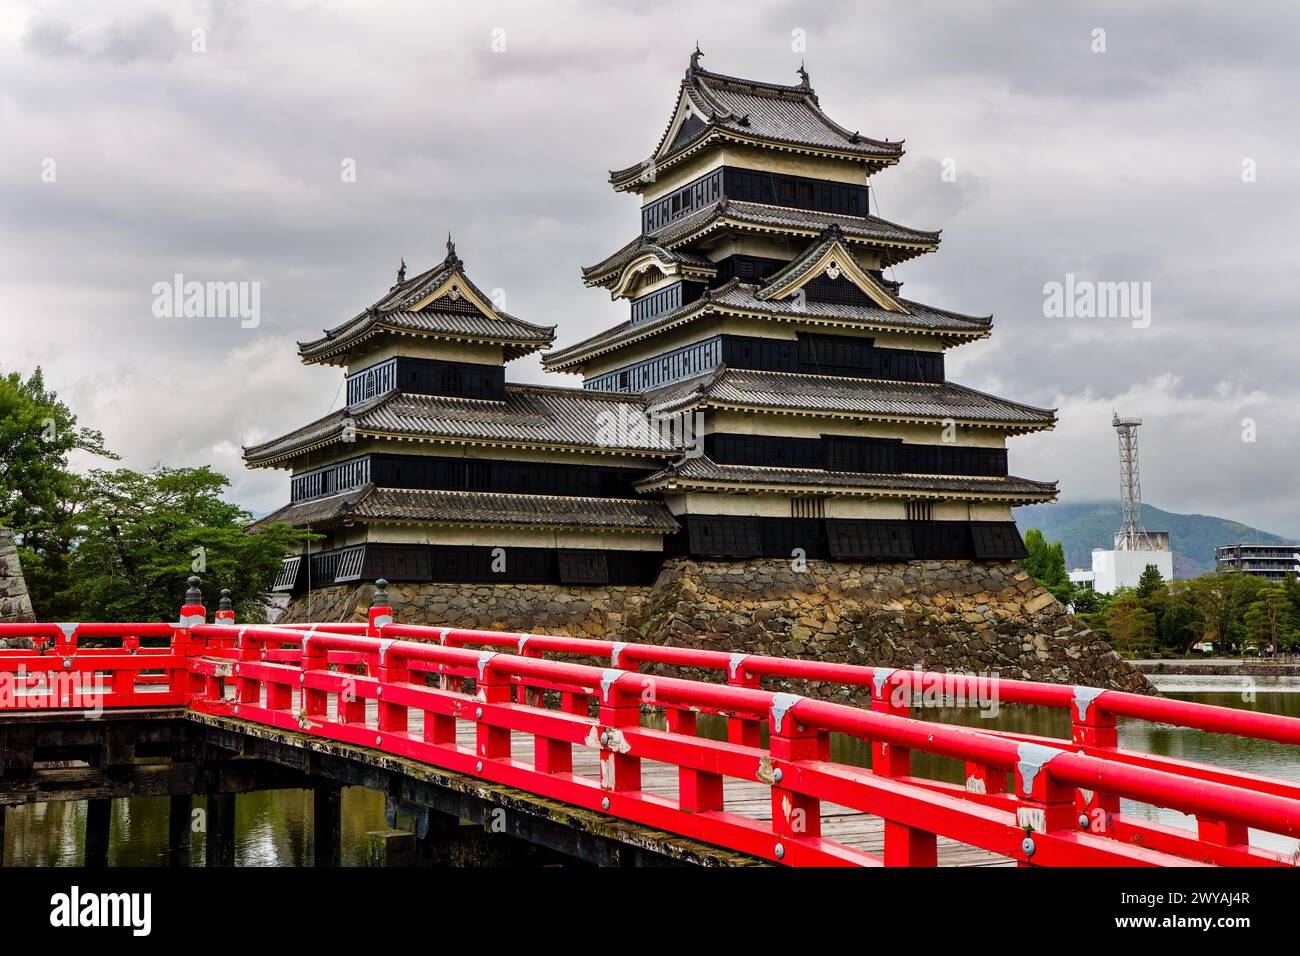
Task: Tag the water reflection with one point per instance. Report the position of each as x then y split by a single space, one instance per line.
274 828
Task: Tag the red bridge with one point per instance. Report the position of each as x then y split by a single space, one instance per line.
532 719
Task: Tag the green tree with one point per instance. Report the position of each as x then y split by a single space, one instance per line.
1270 620
1087 601
144 533
40 497
1132 627
1182 627
1045 563
1150 583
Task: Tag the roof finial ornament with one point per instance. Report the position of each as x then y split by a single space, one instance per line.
451 246
804 82
695 57
401 271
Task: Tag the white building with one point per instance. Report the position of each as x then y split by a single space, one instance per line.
1122 567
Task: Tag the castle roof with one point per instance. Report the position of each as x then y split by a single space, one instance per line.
713 107
530 415
836 396
703 474
897 243
485 509
439 303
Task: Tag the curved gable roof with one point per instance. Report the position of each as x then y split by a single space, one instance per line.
441 302
715 104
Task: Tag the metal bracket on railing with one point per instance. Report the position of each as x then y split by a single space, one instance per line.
734 662
781 703
607 677
1083 698
384 645
68 630
879 675
442 635
1032 759
383 620
188 620
483 658
523 642
618 649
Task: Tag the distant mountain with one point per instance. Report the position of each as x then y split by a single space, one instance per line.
1193 538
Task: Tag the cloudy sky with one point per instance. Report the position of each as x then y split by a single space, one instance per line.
135 148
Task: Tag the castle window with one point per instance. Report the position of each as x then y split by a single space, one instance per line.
807 507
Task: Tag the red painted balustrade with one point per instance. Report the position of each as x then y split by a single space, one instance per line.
404 690
94 667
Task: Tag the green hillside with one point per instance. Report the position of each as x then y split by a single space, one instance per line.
1084 526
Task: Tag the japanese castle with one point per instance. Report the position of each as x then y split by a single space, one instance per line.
771 394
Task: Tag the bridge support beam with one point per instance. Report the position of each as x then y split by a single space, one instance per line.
327 825
390 848
99 817
219 849
180 829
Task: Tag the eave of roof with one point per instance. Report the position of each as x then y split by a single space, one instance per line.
531 416
898 243
703 474
737 298
378 505
825 396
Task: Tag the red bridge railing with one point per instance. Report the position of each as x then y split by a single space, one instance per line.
93 667
402 689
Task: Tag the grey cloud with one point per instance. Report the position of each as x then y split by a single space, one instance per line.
148 38
225 165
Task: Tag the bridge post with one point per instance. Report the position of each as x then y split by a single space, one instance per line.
904 845
1091 727
192 612
219 849
618 708
745 731
381 609
390 848
314 658
492 742
698 791
225 609
327 825
549 755
4 811
180 814
794 814
247 689
99 817
1044 804
392 717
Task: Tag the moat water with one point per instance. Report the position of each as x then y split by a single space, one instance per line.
274 828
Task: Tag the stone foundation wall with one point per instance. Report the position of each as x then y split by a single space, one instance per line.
965 616
604 613
15 603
